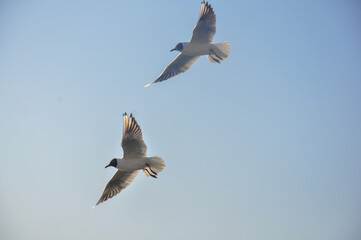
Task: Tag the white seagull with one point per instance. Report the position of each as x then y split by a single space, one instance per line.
200 44
134 159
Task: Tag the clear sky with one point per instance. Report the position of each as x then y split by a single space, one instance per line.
265 145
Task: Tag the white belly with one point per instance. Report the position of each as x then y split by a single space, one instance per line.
129 165
194 49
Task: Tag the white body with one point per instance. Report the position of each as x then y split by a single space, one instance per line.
196 49
131 164
155 164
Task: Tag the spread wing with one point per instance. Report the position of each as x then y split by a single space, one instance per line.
117 183
132 142
179 65
205 29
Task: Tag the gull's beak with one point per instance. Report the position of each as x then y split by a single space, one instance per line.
173 49
107 165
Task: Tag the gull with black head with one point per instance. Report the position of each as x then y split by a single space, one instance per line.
134 159
200 44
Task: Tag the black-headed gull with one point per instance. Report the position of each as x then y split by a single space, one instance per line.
200 44
134 159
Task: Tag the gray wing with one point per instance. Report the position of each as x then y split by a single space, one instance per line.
132 141
179 65
205 29
117 183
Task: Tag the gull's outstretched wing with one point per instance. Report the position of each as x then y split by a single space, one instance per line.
205 29
132 141
179 65
117 183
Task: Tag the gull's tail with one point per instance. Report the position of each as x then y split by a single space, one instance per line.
154 165
219 52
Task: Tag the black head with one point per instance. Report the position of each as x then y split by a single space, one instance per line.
112 163
178 47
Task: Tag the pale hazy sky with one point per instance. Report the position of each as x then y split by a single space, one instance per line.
265 145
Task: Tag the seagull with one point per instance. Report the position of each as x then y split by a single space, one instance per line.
134 159
200 44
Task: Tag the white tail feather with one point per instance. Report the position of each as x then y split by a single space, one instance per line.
156 164
220 52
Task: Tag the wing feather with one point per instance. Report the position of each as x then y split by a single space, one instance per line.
116 184
132 141
179 65
205 28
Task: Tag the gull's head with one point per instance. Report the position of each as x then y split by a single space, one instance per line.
178 47
113 163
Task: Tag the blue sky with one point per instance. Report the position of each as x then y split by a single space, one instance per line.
265 145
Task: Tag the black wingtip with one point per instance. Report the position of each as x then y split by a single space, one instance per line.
209 5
